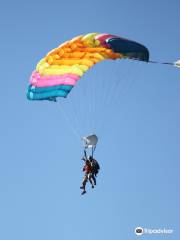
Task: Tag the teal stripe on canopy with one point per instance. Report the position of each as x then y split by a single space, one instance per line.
44 93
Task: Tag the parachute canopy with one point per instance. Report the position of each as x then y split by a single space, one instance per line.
57 73
90 141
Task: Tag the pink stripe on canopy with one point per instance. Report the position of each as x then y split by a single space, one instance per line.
45 81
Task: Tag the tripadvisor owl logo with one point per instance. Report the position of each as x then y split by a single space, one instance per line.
139 231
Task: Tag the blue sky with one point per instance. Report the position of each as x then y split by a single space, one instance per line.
138 127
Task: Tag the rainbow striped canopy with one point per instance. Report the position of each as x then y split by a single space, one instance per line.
57 73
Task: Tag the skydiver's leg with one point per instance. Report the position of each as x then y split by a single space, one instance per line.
84 182
90 179
85 178
95 173
94 179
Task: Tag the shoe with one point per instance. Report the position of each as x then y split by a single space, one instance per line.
82 187
83 192
92 186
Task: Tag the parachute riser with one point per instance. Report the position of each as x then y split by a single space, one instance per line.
93 150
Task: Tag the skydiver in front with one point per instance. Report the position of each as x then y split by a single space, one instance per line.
87 176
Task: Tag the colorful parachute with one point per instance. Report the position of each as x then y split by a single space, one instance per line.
57 73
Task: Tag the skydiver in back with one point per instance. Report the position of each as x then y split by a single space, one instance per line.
94 168
87 176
